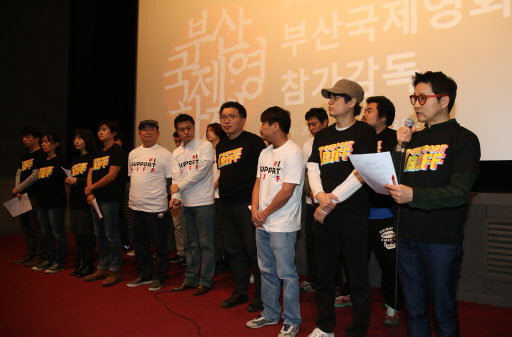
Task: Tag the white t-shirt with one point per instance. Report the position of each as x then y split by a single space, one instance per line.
307 148
285 164
148 169
192 171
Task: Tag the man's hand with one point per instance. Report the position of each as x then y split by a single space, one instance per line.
90 199
320 215
325 200
70 180
404 134
88 190
257 218
174 188
15 191
401 194
174 204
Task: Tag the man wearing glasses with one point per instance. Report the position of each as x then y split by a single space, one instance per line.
437 168
343 208
237 159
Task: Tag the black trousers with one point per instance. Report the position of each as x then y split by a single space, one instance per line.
309 224
382 242
344 233
149 228
32 230
240 244
218 241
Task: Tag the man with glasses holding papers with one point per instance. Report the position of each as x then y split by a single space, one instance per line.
437 168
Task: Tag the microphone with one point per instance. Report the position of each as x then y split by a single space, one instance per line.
162 214
410 123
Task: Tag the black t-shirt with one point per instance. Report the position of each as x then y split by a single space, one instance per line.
386 142
102 160
237 160
79 170
331 151
432 156
29 162
52 193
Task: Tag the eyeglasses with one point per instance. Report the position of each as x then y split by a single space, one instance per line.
228 117
422 98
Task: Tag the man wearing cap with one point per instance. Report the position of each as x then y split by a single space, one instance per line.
150 167
343 207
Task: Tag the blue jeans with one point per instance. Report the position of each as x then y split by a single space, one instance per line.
54 232
276 255
428 273
198 225
109 238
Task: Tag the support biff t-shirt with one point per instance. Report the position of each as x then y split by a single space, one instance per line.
331 151
114 156
79 170
29 162
237 160
52 193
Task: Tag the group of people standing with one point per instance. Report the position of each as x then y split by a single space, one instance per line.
240 198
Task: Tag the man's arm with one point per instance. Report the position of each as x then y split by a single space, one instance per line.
113 171
31 179
255 205
281 198
204 166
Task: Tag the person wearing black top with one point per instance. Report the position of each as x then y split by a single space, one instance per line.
437 170
343 208
106 185
27 178
52 205
79 210
380 113
237 159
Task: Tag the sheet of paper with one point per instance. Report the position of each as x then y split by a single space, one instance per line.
376 169
68 172
17 207
97 208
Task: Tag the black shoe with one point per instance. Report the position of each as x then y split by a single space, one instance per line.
235 299
23 260
176 259
184 286
256 305
79 266
87 269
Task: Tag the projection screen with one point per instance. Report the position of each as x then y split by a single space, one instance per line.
195 55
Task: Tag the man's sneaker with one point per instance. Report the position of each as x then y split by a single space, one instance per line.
319 333
235 299
260 321
137 282
307 287
177 259
342 301
156 285
131 253
42 266
392 316
288 331
23 260
55 268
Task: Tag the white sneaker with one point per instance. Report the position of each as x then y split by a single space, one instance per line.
260 321
319 333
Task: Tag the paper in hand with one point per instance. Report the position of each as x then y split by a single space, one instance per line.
17 207
376 169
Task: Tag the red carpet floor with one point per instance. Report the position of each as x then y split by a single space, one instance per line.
35 304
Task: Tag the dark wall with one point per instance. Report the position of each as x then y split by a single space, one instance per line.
65 64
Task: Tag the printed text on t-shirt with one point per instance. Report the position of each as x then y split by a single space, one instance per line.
423 157
334 153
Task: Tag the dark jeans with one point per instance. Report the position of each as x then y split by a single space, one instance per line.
217 235
382 242
32 229
343 233
107 233
240 244
147 228
54 234
310 242
428 273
